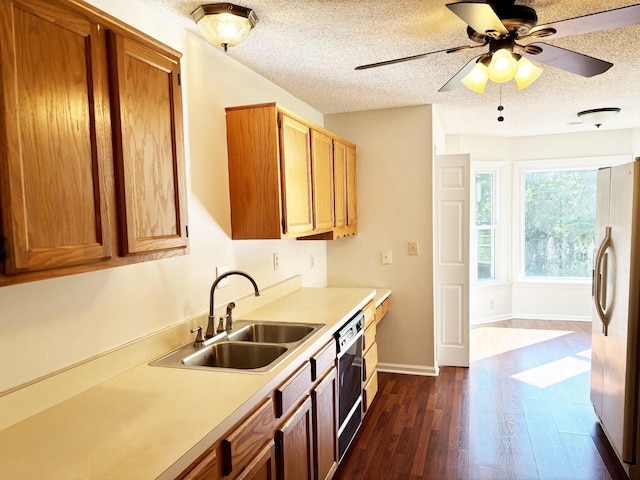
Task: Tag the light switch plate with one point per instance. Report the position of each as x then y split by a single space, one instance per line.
387 257
414 248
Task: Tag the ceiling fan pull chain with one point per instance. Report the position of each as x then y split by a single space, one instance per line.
500 107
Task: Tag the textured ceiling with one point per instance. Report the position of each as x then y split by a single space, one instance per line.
310 48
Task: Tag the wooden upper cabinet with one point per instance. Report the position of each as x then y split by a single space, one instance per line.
352 204
280 174
54 137
295 163
322 173
340 182
147 121
91 143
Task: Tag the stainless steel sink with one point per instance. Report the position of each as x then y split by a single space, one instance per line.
239 355
272 332
253 347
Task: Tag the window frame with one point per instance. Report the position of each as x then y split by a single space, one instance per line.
551 165
493 227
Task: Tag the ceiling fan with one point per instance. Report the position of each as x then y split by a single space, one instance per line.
501 25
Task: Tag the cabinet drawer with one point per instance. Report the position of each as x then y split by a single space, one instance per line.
289 392
323 360
370 362
369 337
370 390
244 441
206 468
369 314
383 308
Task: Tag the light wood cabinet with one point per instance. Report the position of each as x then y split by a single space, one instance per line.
370 355
282 174
205 469
325 425
294 441
322 173
81 123
55 148
150 172
263 466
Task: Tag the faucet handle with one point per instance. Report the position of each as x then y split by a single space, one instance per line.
199 341
220 327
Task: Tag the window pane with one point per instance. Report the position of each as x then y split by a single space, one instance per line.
559 223
484 198
486 253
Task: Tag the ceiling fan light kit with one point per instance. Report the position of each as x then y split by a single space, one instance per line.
224 24
499 25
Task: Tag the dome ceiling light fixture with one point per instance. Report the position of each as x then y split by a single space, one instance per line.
597 116
224 24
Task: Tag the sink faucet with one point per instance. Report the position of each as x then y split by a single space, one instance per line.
211 325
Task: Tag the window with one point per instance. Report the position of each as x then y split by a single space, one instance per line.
559 223
486 225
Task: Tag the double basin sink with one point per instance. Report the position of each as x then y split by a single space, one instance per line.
252 346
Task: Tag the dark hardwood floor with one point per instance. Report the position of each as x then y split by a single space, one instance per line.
521 411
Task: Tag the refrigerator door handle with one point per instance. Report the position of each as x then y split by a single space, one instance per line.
600 279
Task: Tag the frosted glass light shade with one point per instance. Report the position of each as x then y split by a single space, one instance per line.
224 24
477 78
503 66
527 73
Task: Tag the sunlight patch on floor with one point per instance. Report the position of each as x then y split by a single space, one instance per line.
553 372
489 341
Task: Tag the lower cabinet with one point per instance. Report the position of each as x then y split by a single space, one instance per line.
325 425
291 435
263 466
294 442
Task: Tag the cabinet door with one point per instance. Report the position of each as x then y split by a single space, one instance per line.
322 170
340 183
263 467
325 424
295 445
54 137
295 164
352 210
148 139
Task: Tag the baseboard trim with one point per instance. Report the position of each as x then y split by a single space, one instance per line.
408 369
563 318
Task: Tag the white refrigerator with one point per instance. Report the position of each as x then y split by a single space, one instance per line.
616 298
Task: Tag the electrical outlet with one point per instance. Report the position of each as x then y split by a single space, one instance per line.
220 269
312 261
413 248
276 261
492 304
387 257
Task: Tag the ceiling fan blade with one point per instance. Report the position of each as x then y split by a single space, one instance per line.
595 22
568 60
412 57
454 82
479 16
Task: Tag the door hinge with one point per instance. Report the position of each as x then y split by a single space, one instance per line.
284 225
186 230
4 249
179 79
279 121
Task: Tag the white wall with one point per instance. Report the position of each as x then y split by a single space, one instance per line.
394 206
50 324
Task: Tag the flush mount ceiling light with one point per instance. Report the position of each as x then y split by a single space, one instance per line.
598 116
224 24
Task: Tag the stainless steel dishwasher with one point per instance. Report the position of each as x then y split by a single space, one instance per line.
349 343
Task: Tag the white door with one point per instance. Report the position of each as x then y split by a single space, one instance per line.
451 259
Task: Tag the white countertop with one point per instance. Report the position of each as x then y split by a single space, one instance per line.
151 421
